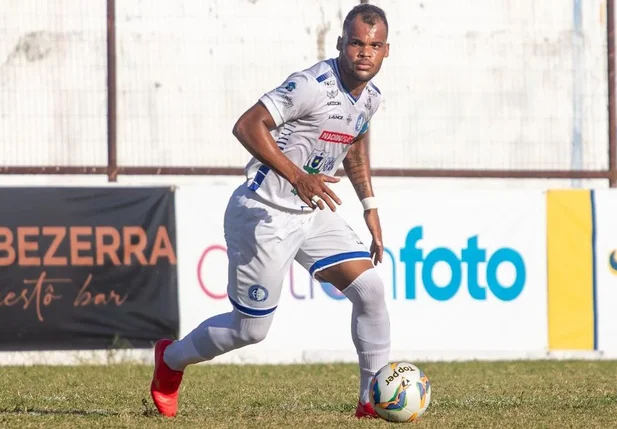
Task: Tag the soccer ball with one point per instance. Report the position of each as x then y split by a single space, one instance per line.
400 392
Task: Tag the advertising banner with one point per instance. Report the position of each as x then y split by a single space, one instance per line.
464 272
605 270
87 268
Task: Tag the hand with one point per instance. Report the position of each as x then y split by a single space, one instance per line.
309 185
374 226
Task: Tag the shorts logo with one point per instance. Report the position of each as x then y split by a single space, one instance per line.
334 137
258 293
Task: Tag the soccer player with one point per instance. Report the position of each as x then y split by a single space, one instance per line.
299 134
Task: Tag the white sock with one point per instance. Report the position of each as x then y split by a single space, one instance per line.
370 326
216 336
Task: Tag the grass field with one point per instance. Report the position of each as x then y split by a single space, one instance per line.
545 394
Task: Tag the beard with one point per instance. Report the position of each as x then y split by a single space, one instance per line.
358 75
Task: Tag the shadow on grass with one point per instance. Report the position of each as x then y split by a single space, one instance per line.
32 411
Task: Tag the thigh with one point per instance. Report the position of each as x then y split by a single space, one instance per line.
330 242
261 244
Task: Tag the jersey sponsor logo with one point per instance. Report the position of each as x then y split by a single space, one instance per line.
332 93
333 103
287 101
337 117
330 83
287 87
329 164
334 137
326 75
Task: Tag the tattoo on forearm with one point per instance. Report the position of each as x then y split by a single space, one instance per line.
362 189
358 170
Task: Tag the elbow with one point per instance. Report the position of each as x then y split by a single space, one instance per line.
238 129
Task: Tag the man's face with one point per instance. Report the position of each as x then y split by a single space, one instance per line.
363 48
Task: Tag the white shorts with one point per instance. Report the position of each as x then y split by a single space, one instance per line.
263 241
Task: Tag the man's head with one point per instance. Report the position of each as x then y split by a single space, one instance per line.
364 43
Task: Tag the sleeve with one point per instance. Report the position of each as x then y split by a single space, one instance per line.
364 128
294 99
375 103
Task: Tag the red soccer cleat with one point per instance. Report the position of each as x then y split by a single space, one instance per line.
365 410
165 382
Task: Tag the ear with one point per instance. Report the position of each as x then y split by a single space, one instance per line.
339 44
387 50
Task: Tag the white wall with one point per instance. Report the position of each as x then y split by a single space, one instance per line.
489 84
188 69
53 88
469 84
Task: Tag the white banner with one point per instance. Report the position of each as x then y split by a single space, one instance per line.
465 275
605 255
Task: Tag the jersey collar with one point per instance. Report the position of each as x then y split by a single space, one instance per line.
351 98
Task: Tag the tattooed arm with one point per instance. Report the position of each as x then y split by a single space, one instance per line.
358 169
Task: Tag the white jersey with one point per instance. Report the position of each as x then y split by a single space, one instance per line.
317 120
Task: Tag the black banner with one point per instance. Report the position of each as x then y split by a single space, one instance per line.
87 268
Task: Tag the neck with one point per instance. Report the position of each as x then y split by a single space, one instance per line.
353 86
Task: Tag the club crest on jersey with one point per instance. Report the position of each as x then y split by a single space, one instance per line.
315 161
360 122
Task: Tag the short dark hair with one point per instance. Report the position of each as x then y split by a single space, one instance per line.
369 13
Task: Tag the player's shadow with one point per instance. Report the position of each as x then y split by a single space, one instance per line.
21 410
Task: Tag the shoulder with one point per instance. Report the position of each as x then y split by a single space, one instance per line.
373 92
373 87
322 74
301 81
374 98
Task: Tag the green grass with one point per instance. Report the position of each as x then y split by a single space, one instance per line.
545 394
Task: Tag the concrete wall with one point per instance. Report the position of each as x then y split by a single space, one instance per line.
482 84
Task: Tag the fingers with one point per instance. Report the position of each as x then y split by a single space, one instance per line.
332 195
331 179
376 252
380 253
325 198
315 186
306 200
